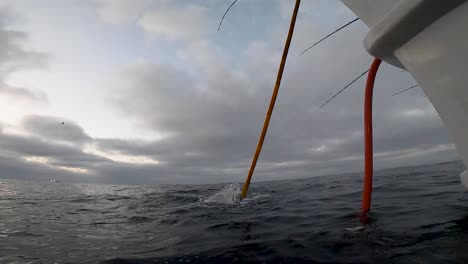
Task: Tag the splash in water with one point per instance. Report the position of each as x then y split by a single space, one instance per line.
230 194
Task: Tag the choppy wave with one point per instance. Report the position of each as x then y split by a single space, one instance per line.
419 215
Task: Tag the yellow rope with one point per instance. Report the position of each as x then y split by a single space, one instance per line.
273 100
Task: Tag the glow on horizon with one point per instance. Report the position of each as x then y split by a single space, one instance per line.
122 158
47 162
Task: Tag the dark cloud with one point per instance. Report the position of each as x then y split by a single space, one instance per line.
45 153
214 137
30 146
28 157
55 128
17 168
213 119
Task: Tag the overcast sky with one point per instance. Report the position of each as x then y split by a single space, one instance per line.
150 92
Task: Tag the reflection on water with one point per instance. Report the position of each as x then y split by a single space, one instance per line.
246 236
7 190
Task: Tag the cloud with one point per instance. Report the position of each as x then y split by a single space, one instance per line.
14 57
45 150
176 22
20 93
204 56
213 112
121 11
29 156
213 131
208 104
55 129
38 154
161 19
18 168
33 152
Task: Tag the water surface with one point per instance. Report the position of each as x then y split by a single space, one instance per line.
420 215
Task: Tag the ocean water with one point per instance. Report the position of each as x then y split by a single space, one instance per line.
420 215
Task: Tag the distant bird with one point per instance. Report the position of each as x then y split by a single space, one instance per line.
63 123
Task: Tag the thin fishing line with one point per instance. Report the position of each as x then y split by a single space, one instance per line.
344 88
407 89
329 35
225 13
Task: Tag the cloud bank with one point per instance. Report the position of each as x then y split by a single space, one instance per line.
209 104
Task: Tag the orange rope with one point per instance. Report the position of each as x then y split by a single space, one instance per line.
368 148
273 100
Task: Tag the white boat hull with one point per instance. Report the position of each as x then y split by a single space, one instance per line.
429 38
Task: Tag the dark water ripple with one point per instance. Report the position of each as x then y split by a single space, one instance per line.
420 215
